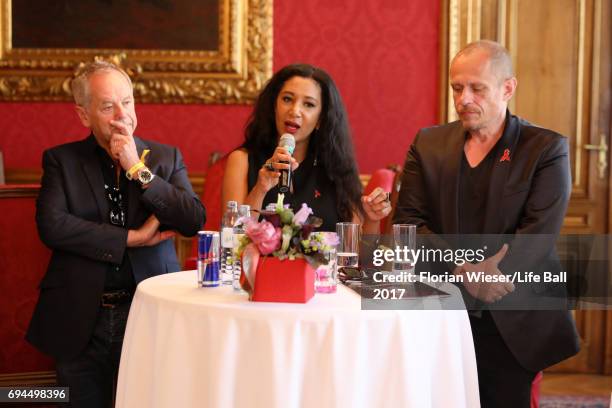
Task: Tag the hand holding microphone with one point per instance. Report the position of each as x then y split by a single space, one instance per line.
286 141
278 168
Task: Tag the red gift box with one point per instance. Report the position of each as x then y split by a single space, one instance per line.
283 281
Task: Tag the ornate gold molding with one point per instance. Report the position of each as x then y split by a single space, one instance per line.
454 22
579 91
232 74
19 191
31 378
464 26
21 176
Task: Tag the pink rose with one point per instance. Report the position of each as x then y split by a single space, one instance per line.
265 236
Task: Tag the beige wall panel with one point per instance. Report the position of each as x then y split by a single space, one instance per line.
546 59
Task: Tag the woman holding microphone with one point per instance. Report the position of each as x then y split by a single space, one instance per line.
302 101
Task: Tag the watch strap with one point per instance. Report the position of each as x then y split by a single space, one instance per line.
132 170
130 173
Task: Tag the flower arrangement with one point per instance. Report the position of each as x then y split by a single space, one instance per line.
286 235
282 235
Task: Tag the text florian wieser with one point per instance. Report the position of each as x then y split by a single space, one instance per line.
516 277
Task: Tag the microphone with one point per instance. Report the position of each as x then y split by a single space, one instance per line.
288 142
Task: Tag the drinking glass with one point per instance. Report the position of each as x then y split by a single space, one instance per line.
326 277
404 238
347 253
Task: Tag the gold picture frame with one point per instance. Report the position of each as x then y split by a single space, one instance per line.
232 74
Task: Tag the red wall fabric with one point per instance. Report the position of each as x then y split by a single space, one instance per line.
23 261
382 54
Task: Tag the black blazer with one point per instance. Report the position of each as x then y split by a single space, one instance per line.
528 194
72 218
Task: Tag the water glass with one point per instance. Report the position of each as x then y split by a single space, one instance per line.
326 275
347 253
404 238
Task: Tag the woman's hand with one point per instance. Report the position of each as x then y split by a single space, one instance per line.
269 174
376 204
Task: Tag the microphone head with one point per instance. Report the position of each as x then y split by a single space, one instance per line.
288 142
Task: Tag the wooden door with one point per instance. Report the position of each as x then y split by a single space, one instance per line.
561 54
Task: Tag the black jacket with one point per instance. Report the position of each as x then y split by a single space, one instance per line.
72 218
528 194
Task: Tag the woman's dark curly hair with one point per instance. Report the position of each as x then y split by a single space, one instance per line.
332 142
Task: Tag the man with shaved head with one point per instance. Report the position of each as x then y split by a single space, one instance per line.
492 172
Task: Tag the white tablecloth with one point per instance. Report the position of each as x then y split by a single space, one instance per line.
210 347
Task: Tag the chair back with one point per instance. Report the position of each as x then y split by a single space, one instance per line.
387 180
211 194
385 227
382 178
211 198
23 262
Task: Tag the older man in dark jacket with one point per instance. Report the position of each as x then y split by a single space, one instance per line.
107 206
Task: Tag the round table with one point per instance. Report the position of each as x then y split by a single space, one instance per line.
210 347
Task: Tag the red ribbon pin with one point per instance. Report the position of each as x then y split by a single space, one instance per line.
317 194
505 156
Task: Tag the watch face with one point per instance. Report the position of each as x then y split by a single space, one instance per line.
145 176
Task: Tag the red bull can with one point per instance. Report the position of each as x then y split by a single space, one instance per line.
208 258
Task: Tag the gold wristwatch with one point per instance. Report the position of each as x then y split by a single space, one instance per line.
145 176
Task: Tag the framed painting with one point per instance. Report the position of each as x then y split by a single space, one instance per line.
176 51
